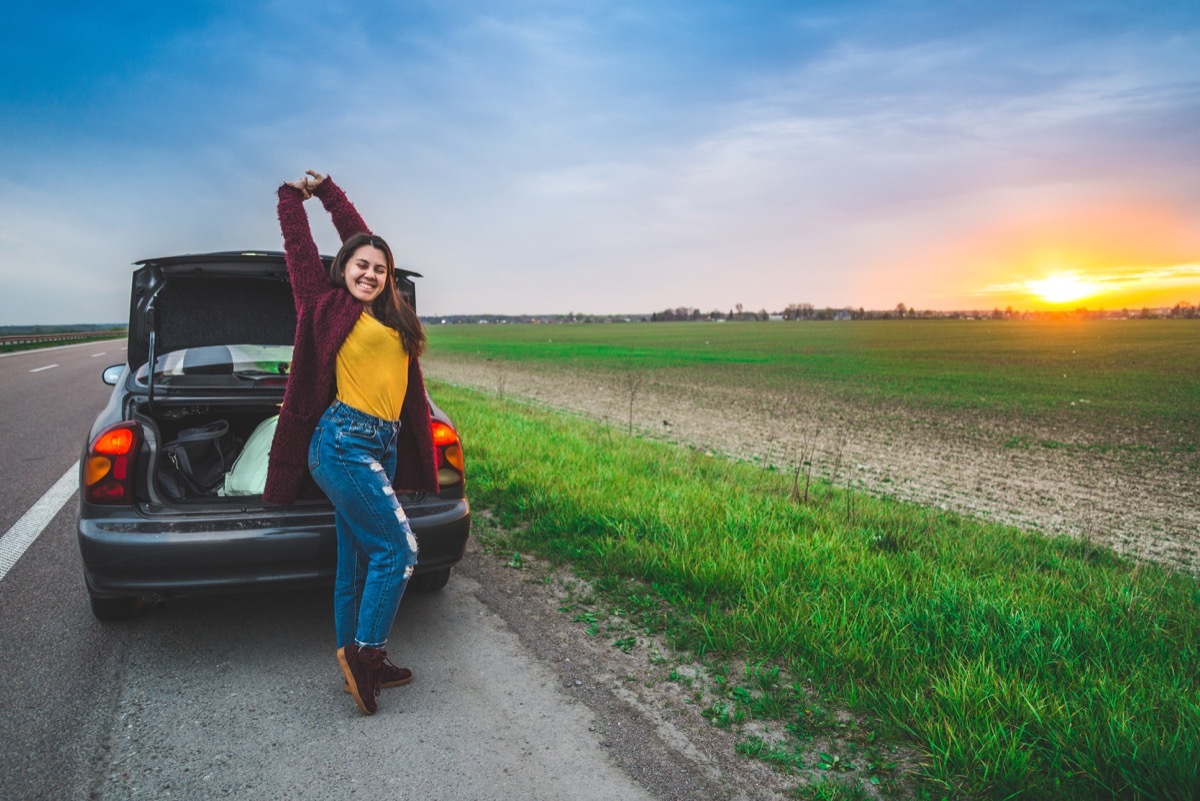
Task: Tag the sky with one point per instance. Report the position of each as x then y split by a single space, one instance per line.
604 156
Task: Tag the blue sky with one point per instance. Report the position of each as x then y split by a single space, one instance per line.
610 156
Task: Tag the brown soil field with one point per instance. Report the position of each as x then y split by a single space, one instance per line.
1144 503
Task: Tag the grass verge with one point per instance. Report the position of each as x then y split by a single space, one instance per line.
1020 665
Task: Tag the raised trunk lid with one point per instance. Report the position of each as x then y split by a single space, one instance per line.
231 297
209 299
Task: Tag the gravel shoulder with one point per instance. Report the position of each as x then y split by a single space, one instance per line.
648 701
641 718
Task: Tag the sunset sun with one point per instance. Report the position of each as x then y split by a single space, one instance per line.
1063 288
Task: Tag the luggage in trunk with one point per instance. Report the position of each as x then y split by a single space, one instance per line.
204 447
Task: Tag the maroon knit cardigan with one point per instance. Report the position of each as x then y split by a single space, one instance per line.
324 316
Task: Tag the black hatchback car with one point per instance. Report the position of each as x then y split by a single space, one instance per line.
210 343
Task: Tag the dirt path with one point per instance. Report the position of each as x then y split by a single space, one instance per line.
1140 502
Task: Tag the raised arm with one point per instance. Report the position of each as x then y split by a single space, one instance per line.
303 259
345 217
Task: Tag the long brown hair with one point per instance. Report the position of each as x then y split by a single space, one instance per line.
389 307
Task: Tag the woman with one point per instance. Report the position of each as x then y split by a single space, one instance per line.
354 417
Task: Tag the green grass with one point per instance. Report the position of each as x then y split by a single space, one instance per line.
1021 666
1089 372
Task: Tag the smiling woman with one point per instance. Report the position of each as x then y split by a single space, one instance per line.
1064 288
354 386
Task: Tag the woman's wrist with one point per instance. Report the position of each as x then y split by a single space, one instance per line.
324 187
291 190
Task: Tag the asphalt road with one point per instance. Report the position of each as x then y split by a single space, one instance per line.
240 697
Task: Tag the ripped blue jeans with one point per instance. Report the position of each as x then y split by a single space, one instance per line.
352 457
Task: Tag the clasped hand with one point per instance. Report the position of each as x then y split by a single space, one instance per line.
311 180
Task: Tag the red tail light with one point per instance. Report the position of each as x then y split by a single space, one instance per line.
451 466
107 474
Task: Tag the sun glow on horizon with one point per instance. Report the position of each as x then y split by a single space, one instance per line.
1101 253
1064 287
1130 285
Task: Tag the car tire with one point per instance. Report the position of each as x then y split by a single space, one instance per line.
429 582
110 609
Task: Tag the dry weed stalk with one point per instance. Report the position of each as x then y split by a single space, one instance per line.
632 381
840 441
767 462
499 377
808 445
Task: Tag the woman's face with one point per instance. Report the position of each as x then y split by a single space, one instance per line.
366 273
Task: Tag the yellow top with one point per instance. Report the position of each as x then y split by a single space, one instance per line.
372 369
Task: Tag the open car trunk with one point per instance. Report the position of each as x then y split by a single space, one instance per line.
213 436
210 338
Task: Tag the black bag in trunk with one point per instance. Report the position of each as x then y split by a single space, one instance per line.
197 460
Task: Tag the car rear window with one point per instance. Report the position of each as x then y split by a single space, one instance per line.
220 364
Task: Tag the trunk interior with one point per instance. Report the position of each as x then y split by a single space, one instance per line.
169 420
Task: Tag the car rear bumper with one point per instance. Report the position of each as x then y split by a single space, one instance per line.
125 553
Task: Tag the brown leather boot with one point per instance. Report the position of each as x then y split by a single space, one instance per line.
363 668
392 676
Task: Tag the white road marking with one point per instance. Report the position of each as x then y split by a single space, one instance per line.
94 355
18 538
40 369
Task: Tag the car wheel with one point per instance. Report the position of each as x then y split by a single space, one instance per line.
121 608
428 582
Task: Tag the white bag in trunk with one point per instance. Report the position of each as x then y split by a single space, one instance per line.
248 476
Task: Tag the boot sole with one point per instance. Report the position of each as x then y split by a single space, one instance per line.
387 685
351 685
